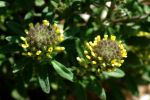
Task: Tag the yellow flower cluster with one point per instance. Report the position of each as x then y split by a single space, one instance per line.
104 55
142 52
42 40
141 34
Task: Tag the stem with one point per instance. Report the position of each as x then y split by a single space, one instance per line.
126 19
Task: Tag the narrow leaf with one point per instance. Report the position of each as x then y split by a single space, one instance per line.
62 70
117 74
44 79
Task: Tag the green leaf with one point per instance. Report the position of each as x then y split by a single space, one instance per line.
54 3
2 58
117 74
132 86
39 2
80 93
12 39
10 48
3 4
78 48
62 70
45 10
20 64
117 93
28 15
43 78
95 87
15 27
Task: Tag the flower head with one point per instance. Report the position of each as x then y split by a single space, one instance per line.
105 54
41 40
143 34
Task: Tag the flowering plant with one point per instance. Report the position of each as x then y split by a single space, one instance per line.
74 49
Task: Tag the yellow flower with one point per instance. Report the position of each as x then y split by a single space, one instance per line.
113 38
57 30
105 37
26 31
140 33
104 65
113 69
59 48
99 58
30 54
79 59
93 54
24 45
109 70
50 49
38 52
23 38
46 22
91 44
24 54
98 70
149 56
88 57
98 38
47 54
30 25
85 52
94 62
113 61
55 26
146 33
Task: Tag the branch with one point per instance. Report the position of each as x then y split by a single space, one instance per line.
129 19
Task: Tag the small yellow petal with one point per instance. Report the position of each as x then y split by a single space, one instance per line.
98 70
46 22
99 58
38 52
121 61
105 37
104 65
113 38
94 62
59 48
30 54
149 56
140 33
24 54
85 52
109 70
93 54
26 31
113 69
23 38
146 33
113 61
50 49
47 54
88 57
98 38
24 45
55 25
30 25
91 44
57 30
79 59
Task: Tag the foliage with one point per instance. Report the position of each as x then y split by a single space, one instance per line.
49 74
